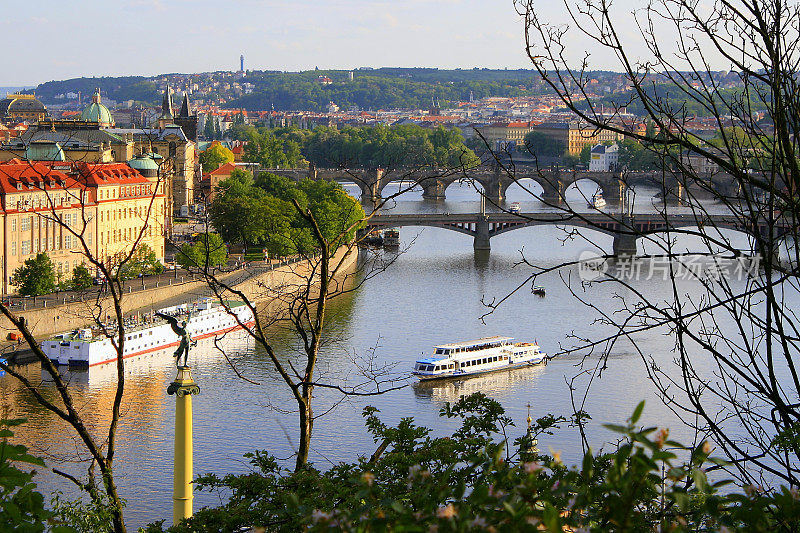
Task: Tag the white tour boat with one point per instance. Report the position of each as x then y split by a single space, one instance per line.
462 359
597 201
90 346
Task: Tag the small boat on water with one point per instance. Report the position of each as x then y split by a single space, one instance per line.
391 238
538 290
597 201
373 238
514 208
463 359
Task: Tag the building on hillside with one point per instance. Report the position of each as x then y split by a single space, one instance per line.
604 158
21 107
108 203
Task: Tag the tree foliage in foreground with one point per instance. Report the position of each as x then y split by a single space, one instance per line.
733 369
264 213
477 479
21 505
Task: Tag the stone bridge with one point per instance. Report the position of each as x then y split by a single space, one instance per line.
625 229
495 183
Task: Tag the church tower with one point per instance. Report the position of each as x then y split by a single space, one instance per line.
167 115
186 120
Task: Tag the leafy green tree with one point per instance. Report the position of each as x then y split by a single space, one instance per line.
215 156
143 262
208 252
81 278
570 160
387 147
272 150
217 129
21 505
586 154
269 212
539 144
208 128
480 476
36 276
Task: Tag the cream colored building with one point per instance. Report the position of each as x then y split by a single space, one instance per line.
48 206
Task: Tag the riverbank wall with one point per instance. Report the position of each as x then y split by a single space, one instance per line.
263 286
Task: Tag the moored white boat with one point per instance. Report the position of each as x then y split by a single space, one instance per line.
90 347
462 359
597 201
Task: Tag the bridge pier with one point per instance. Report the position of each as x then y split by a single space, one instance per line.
372 186
613 190
553 190
624 245
433 189
481 239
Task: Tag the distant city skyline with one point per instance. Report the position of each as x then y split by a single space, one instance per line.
150 37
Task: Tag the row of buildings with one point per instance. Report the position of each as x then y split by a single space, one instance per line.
69 209
82 186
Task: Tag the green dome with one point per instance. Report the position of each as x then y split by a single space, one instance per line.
44 151
145 164
97 112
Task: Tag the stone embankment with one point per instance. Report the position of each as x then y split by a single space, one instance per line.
260 283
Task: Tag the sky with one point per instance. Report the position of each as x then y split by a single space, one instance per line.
54 40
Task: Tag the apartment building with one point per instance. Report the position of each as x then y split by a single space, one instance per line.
48 206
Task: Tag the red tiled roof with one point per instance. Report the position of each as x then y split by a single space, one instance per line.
224 170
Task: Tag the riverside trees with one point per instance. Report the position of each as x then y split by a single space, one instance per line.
263 212
404 146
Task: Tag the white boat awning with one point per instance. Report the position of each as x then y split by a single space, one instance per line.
466 344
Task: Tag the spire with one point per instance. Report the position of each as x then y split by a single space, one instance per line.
96 97
166 104
185 106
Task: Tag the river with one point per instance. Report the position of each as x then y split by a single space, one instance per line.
431 294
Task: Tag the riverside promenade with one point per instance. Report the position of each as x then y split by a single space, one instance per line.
259 281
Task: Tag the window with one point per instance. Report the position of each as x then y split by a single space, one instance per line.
26 247
14 248
13 224
25 224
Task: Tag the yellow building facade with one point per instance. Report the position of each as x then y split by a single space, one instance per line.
63 209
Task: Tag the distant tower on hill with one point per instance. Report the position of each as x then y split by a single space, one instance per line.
241 63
